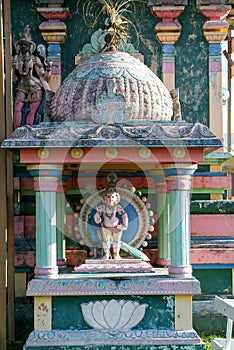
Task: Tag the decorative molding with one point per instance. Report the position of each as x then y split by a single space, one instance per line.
139 285
91 339
169 29
215 29
166 134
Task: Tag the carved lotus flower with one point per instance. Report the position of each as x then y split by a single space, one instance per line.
113 314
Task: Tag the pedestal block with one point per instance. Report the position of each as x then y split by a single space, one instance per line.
111 311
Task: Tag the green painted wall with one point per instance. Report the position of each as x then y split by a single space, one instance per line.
159 312
192 67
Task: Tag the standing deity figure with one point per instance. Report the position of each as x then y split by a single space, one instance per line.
114 220
32 76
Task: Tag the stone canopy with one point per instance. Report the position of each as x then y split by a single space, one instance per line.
112 99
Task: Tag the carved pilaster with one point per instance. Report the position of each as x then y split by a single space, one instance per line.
168 32
54 32
215 29
169 29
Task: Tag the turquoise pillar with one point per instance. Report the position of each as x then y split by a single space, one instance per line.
163 258
61 242
45 185
60 220
178 177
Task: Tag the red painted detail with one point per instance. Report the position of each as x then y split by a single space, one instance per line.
45 185
163 262
211 182
181 185
30 226
98 156
152 255
76 257
220 225
26 183
51 16
25 259
211 255
215 14
19 226
167 14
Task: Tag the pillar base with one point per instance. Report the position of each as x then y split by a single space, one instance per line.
46 272
62 263
163 262
180 271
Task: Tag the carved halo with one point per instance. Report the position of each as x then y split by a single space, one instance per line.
137 214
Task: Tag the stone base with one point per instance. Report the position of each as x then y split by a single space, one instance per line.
113 311
107 340
111 265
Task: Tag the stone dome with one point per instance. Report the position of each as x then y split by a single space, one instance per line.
112 87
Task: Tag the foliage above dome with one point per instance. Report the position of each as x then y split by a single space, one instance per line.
112 87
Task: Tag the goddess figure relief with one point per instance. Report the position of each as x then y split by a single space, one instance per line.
32 76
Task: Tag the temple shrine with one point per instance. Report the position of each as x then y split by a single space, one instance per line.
110 151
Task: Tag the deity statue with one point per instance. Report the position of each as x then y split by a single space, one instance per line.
114 220
32 74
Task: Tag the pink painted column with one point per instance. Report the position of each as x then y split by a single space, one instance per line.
178 178
45 179
215 30
168 32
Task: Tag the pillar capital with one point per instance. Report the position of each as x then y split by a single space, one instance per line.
215 28
178 176
53 30
160 181
45 176
169 29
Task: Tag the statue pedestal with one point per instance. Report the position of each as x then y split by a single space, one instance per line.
112 266
113 310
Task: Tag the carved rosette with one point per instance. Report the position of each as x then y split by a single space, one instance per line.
215 29
169 29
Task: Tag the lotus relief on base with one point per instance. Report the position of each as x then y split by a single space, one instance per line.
113 314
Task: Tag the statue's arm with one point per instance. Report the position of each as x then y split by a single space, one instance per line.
124 216
98 215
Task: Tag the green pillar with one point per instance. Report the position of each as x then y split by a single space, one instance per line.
61 241
45 184
163 258
178 177
60 217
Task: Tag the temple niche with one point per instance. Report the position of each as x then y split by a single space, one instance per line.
111 120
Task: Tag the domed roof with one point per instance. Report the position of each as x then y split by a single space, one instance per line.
112 87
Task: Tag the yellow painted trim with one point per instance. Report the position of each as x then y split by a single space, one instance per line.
183 312
42 313
216 196
215 167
